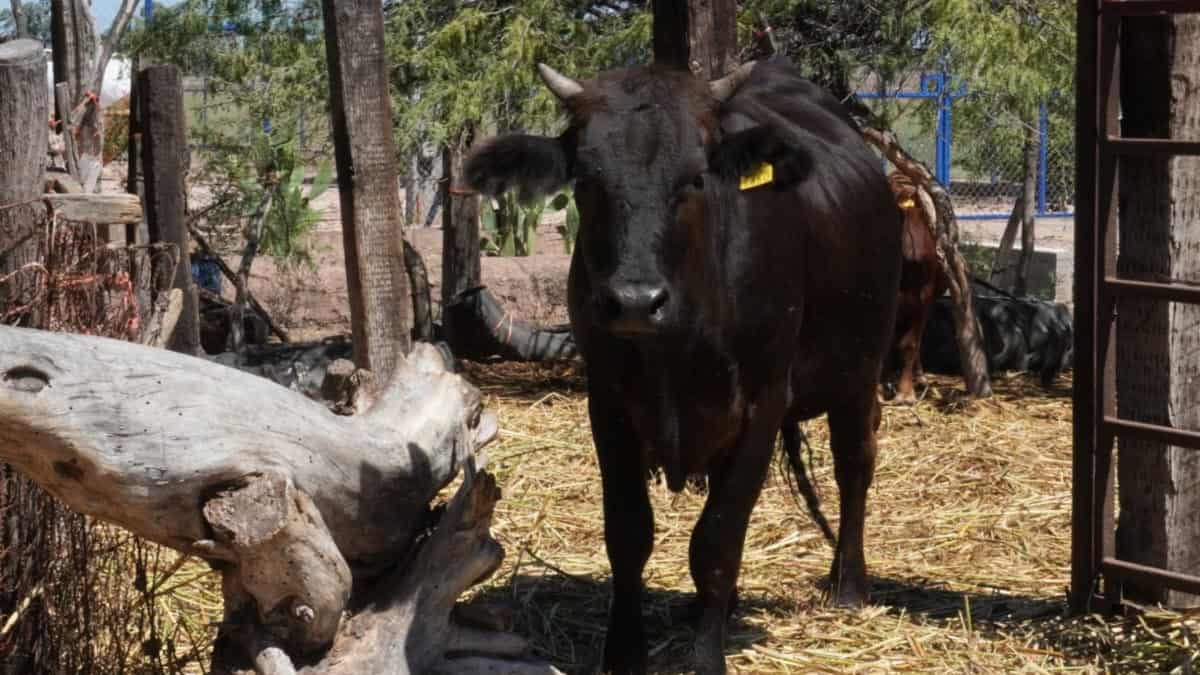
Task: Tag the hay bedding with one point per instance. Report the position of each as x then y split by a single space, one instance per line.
968 537
968 545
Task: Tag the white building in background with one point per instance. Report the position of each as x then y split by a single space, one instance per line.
117 79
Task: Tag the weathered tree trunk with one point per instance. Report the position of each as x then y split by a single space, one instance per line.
306 513
1158 344
164 144
23 140
1028 205
20 26
380 308
72 60
698 35
74 35
967 334
460 236
1003 265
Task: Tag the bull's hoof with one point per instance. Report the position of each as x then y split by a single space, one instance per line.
625 652
710 666
849 593
848 585
710 646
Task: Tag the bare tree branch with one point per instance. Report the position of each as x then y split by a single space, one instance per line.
109 45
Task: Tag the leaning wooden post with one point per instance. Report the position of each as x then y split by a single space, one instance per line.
62 107
372 232
461 269
163 144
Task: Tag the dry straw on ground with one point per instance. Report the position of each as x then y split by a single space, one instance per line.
968 545
967 542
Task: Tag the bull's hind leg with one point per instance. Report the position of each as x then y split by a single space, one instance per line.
716 547
852 438
628 532
909 348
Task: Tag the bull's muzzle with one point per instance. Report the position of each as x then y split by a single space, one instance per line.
632 309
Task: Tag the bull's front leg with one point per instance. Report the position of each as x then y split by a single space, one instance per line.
716 547
628 530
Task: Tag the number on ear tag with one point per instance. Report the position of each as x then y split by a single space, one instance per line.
764 174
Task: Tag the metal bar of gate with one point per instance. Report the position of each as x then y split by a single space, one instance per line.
1084 572
1099 147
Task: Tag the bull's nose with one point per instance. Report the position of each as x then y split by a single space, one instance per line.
632 309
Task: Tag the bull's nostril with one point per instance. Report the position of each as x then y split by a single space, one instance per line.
606 306
658 303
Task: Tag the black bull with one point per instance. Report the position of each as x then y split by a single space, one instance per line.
714 312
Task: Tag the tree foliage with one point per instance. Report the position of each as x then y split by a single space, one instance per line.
457 66
1021 51
834 42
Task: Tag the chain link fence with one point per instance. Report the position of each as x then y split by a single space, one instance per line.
975 147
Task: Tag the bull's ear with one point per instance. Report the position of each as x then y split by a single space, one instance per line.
535 165
742 155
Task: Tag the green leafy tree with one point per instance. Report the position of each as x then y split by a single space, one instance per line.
1016 56
459 66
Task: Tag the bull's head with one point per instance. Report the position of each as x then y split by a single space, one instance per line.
652 168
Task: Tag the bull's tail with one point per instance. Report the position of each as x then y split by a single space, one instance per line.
792 440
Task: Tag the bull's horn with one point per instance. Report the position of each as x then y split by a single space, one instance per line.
563 87
723 88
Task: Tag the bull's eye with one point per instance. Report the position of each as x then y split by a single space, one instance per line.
698 181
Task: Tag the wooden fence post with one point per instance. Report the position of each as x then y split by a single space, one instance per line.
699 35
461 268
24 140
372 233
24 539
164 164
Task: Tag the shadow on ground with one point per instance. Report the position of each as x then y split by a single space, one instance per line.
565 616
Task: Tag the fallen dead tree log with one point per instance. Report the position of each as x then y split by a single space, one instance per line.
316 521
483 330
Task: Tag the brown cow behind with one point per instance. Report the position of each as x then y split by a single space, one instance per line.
921 280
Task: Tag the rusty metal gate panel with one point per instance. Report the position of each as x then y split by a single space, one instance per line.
1096 574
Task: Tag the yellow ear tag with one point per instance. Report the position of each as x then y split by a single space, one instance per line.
763 175
907 204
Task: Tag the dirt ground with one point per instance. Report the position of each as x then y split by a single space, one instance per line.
312 301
